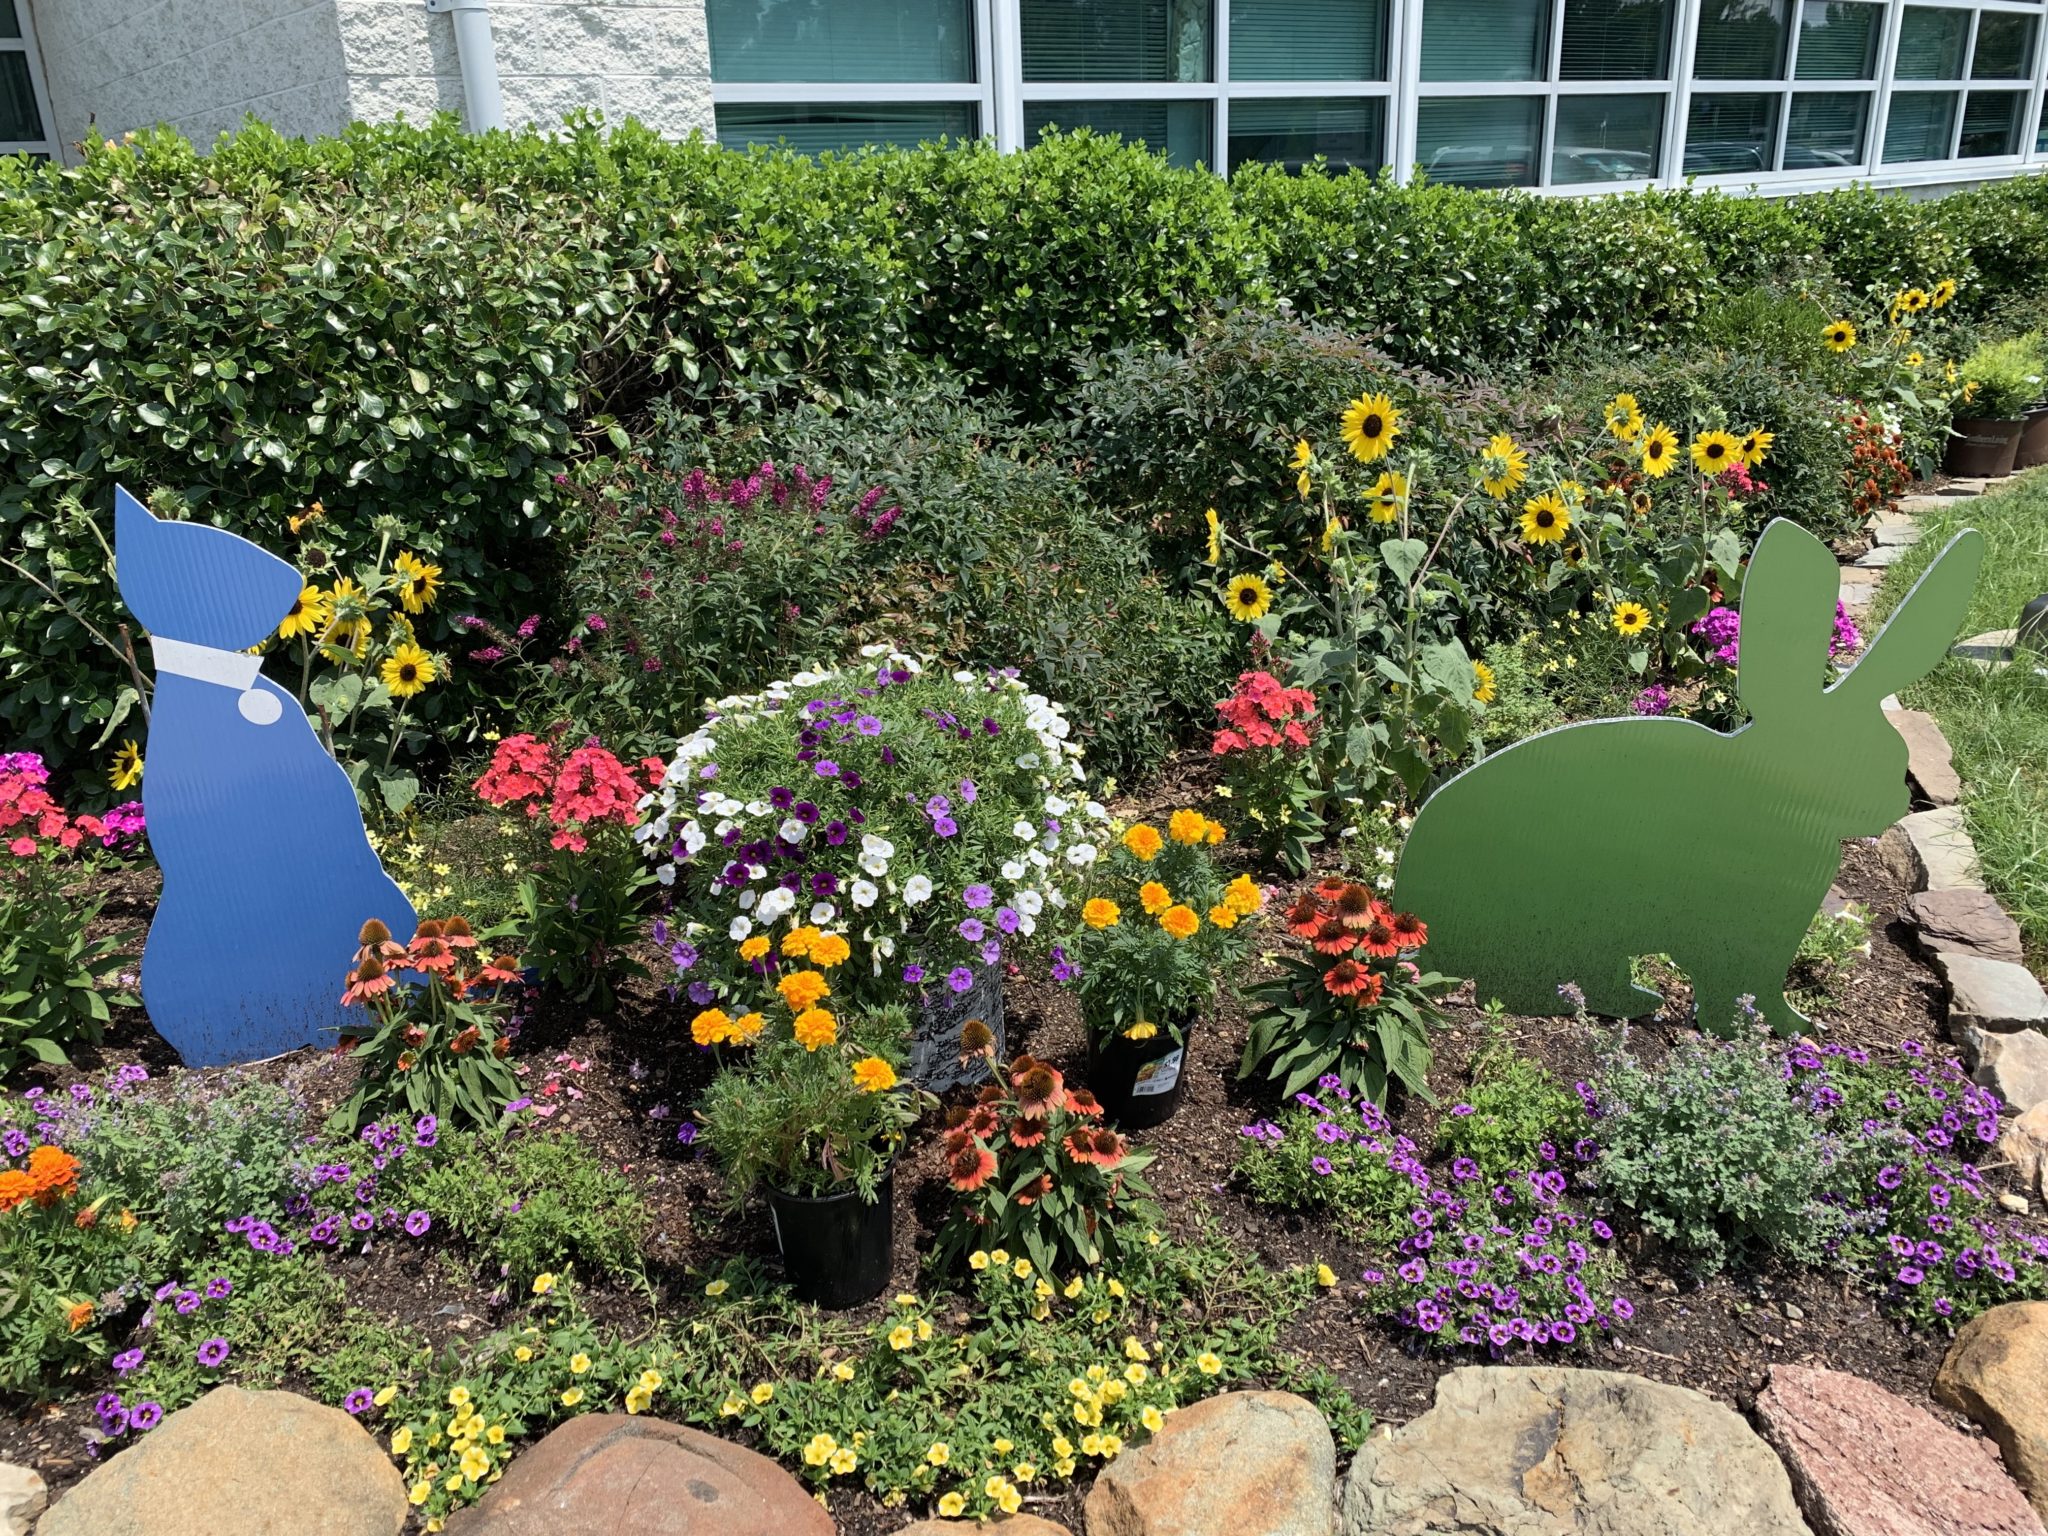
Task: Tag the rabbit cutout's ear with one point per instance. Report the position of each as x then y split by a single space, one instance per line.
197 583
1924 625
1788 613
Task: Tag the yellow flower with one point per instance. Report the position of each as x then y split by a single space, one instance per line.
458 1397
308 616
1248 597
999 1256
871 1074
1503 466
815 1027
842 1371
1144 1029
1134 1349
711 1026
1757 444
1629 619
1915 360
1714 450
844 1461
1545 518
408 670
1331 528
939 1454
1091 1445
1100 912
384 1396
650 1380
1185 826
800 989
952 1506
829 950
732 1407
1072 1289
522 1354
474 1464
421 1492
572 1397
1223 915
1215 535
1840 336
638 1399
1154 897
754 948
798 941
348 616
1144 842
1152 1419
745 1028
901 1337
1180 921
1660 451
401 1440
418 581
127 768
1624 417
1062 1446
1325 1276
1910 301
1389 496
1009 1500
495 1434
1135 1373
977 1260
763 1391
818 1450
1207 1363
579 1363
1943 292
1369 426
1243 896
1024 1471
1116 1287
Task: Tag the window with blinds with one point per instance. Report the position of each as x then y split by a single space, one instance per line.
1138 41
1485 39
1992 124
21 121
815 129
1606 138
2005 47
1919 126
1616 40
1930 47
1827 130
809 41
1479 141
1731 133
1838 40
1308 40
1347 131
1742 40
1180 130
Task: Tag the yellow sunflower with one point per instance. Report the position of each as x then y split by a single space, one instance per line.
418 581
1756 447
1389 496
1840 336
1629 618
1660 451
1714 450
1304 455
1915 360
1369 425
1248 597
1943 292
1215 535
1911 301
1545 518
408 671
300 520
126 771
1330 531
1624 418
1640 503
308 616
1482 683
1503 466
348 616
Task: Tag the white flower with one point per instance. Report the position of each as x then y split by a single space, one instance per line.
885 945
1023 831
963 677
917 890
644 833
1028 760
739 928
748 898
1384 855
758 807
875 864
1038 857
1027 926
1029 902
1013 871
791 830
864 893
1055 806
1081 855
693 838
821 912
880 847
666 874
775 904
1096 810
1057 897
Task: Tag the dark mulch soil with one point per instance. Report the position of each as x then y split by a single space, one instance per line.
625 1083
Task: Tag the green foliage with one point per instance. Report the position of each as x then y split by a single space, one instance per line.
1521 706
1745 240
1282 1164
58 1259
1832 945
55 975
532 1201
2004 227
2007 375
1512 1109
1879 242
1713 1155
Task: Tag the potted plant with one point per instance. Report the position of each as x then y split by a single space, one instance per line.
1159 925
814 1119
2033 447
2001 381
927 821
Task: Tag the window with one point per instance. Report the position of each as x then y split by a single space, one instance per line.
1931 44
1308 40
1742 40
1920 126
24 116
1758 131
2005 47
1943 51
1485 39
816 127
1839 41
1992 124
1731 134
1136 41
1347 131
1606 138
1179 130
1479 141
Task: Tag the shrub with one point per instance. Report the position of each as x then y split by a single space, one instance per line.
1314 1159
1745 240
1879 242
2003 225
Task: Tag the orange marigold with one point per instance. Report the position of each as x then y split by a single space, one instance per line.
1180 921
1187 826
801 989
829 949
79 1315
1155 897
1144 841
1100 912
815 1027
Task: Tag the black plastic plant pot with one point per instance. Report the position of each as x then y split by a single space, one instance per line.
1138 1082
2033 447
1982 447
836 1248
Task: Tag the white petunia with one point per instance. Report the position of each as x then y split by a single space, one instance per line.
739 929
791 830
758 807
1055 806
875 864
917 890
748 898
885 945
693 838
1023 831
1029 902
1027 760
777 903
864 893
1014 870
1057 897
821 912
1081 855
1027 926
1096 810
666 874
1038 857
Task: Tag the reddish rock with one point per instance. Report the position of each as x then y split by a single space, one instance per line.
1009 1525
606 1472
1866 1463
1963 921
1246 1463
1997 1373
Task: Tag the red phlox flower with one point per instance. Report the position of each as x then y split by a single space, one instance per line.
521 768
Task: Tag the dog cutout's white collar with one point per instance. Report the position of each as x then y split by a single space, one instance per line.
224 669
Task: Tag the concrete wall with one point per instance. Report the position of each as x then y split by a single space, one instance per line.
311 66
198 65
649 59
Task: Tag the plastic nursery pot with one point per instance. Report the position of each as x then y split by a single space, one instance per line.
836 1248
1139 1082
935 1062
2033 447
1982 448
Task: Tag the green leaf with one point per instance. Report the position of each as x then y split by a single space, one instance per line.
1404 557
399 791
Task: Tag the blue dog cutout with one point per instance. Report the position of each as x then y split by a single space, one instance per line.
268 874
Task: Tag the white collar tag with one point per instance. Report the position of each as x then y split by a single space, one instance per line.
237 670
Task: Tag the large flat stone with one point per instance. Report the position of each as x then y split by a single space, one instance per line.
1900 532
605 1473
1997 1373
1861 576
2013 1066
1916 506
1963 922
1880 555
1929 762
1993 995
1866 1463
1988 649
23 1496
1967 486
1930 851
240 1461
2025 1146
1243 1463
1544 1451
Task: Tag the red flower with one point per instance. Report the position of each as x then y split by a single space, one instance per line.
1333 938
1347 978
1379 942
367 980
456 931
1304 917
1409 930
430 954
465 1042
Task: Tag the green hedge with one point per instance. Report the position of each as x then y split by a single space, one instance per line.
408 321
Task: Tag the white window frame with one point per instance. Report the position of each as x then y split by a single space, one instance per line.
26 44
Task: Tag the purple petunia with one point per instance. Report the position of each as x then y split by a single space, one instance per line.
212 1353
128 1360
145 1416
960 978
219 1288
417 1223
912 975
972 930
359 1400
977 896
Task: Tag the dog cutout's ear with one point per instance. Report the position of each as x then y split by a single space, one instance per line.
1788 613
197 583
1924 625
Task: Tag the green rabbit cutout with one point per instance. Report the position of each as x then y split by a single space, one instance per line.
1564 856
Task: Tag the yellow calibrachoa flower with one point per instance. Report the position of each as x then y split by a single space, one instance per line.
1248 597
818 1450
1154 897
952 1505
401 1440
1544 519
939 1454
1369 426
1840 336
1503 466
1325 1276
732 1407
844 1460
1100 912
1144 841
407 671
871 1074
762 1392
1152 1419
309 615
458 1397
716 1288
572 1397
1660 451
419 581
977 1259
1629 618
578 1363
1208 1363
1714 450
901 1337
1134 1348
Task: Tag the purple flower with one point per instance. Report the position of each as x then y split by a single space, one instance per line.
1910 1275
972 930
1623 1308
702 993
825 768
867 725
686 1133
959 978
782 799
417 1223
359 1401
912 975
109 1403
212 1353
1653 700
967 791
362 1221
991 952
145 1416
945 826
1007 919
1413 1271
220 1287
128 1360
977 896
1321 1165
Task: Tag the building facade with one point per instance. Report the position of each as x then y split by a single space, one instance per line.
1564 95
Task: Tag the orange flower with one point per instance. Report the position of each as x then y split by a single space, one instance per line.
1410 931
969 1166
1154 897
746 1028
815 1027
502 969
1333 938
871 1074
465 1042
1098 1145
1379 941
1214 833
711 1027
755 948
365 981
1356 908
1187 826
407 1060
829 949
801 989
1144 841
430 954
1180 921
798 941
1100 912
1223 915
79 1315
1243 896
456 931
1083 1103
1039 1088
1347 978
1304 917
1025 1133
15 1187
53 1173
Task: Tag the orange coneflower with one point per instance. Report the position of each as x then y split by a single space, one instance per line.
1409 929
1329 888
1039 1088
407 1060
465 1042
1347 978
1333 938
367 980
969 1168
1356 908
1380 942
456 931
375 939
1026 1133
430 953
976 1040
414 1036
1305 916
502 969
430 929
501 1047
1083 1103
1030 1193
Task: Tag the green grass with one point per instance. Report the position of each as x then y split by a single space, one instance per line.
1996 720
